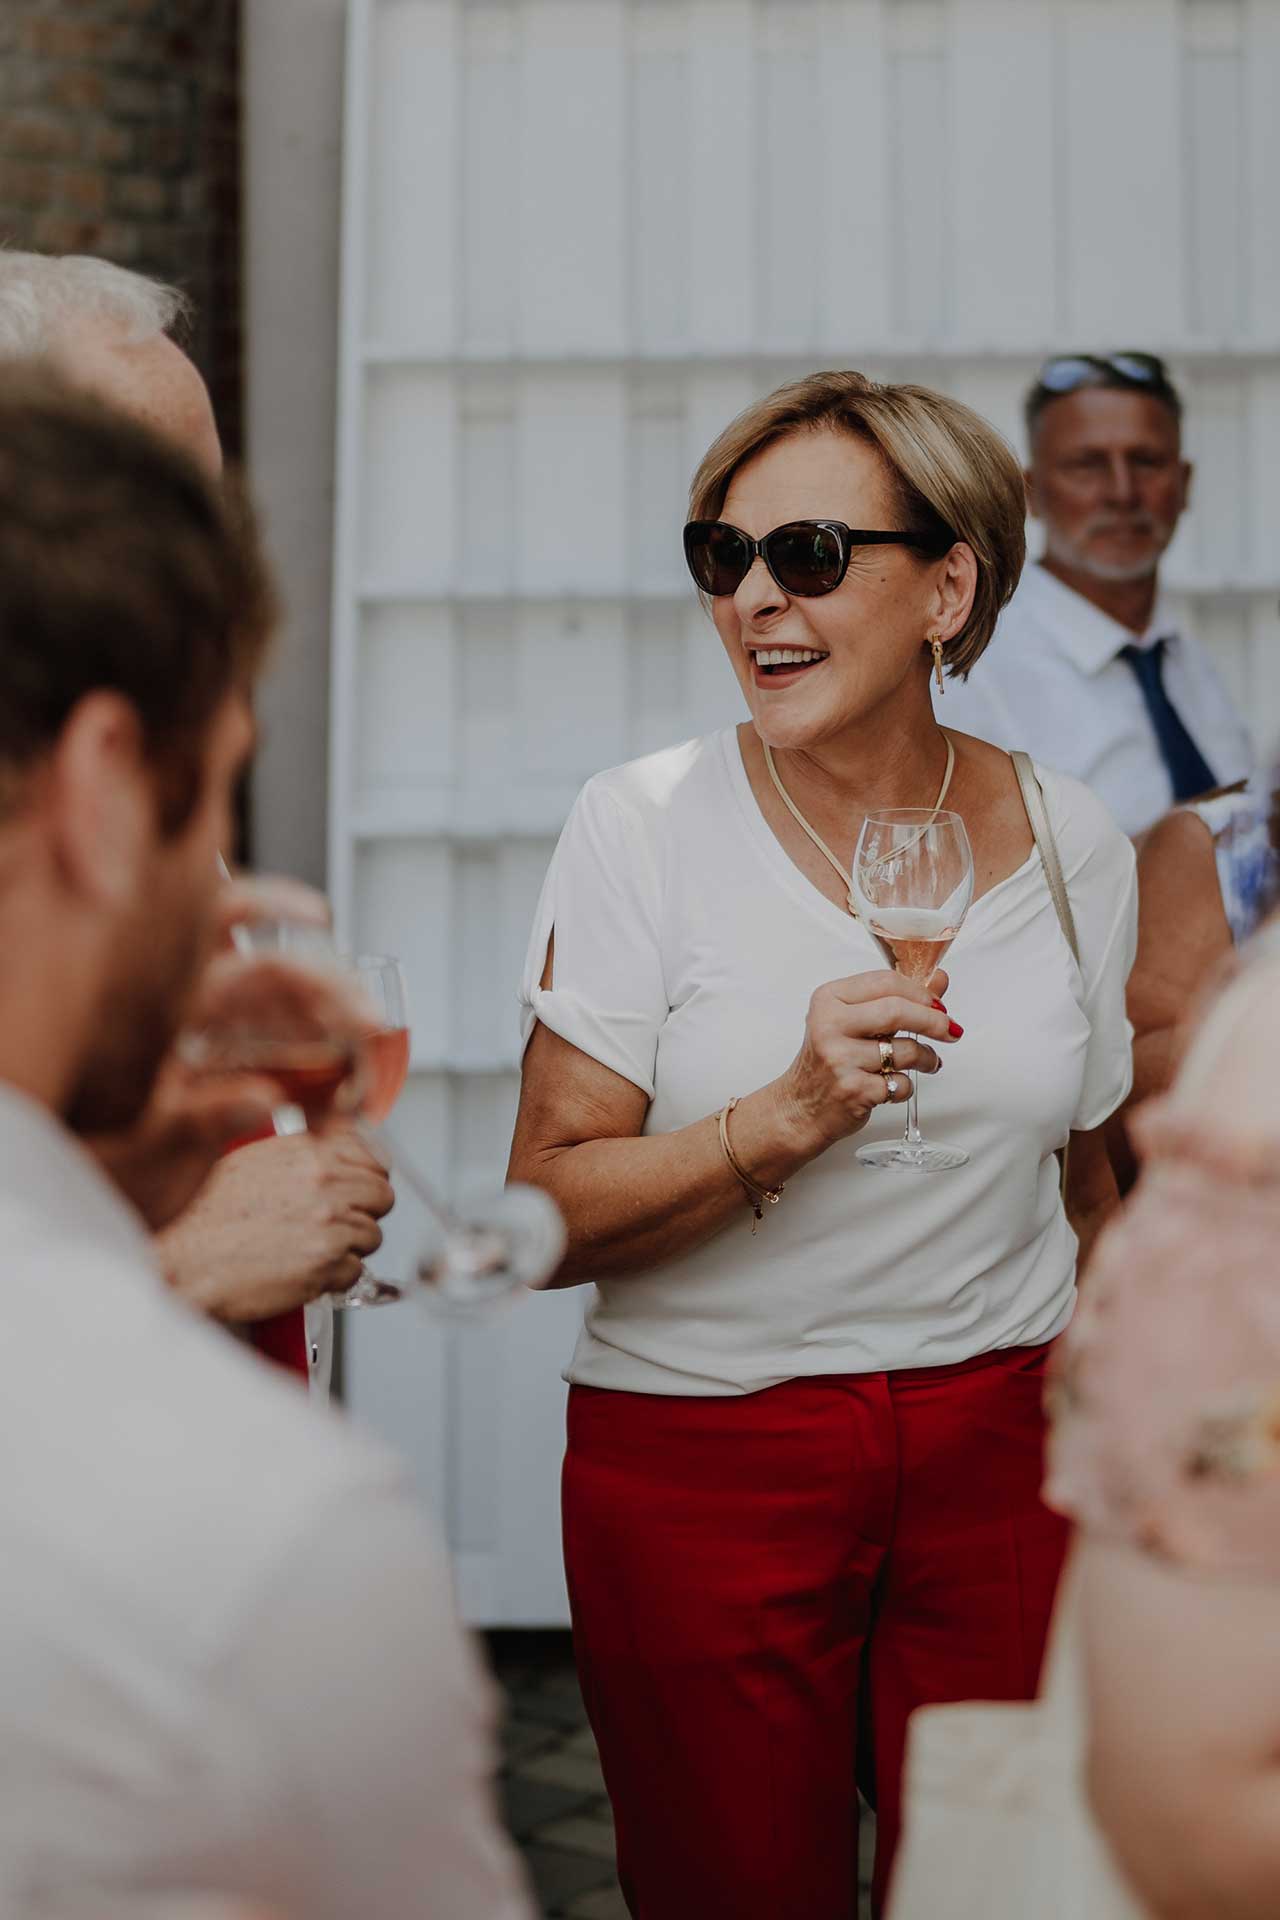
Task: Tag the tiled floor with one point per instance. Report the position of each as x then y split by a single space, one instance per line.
555 1800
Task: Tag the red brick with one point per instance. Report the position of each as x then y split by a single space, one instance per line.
76 87
25 183
140 194
63 233
84 189
40 136
113 146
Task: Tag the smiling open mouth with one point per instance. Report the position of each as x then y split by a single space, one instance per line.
779 660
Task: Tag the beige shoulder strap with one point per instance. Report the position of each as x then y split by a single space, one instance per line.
1047 846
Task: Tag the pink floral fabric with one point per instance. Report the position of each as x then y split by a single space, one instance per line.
1165 1402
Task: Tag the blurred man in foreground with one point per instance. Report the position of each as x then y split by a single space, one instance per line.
282 1222
1089 671
228 1655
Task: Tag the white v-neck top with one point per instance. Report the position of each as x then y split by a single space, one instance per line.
687 946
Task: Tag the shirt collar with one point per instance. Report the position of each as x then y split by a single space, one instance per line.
45 1170
1088 637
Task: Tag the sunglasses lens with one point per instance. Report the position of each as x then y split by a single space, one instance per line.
805 558
1067 373
1142 367
717 555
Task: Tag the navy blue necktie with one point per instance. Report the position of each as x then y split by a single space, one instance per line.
1188 769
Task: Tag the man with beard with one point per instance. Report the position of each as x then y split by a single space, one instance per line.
1090 671
281 1224
228 1653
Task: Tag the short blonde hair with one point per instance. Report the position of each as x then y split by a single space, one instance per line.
952 475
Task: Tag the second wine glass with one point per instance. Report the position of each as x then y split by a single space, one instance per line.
913 882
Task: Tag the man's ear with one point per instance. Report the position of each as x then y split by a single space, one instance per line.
1188 475
101 799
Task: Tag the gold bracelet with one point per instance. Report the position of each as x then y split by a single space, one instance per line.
755 1193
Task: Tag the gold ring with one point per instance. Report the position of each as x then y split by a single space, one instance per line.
891 1085
887 1061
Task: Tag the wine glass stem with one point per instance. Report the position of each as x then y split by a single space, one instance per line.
913 1137
382 1143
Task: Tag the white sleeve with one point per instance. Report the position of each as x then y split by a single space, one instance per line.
1100 870
602 901
373 1726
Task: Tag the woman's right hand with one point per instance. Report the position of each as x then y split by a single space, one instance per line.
836 1080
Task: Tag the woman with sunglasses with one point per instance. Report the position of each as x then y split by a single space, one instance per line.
804 1426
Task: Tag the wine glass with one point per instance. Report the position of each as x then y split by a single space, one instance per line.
508 1241
379 980
913 882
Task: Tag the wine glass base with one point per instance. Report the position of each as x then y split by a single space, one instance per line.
369 1291
909 1158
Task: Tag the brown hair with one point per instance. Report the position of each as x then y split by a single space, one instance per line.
952 476
121 567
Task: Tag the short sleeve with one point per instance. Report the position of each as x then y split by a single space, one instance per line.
1100 870
602 901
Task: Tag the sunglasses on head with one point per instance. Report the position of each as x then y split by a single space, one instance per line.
1067 372
805 557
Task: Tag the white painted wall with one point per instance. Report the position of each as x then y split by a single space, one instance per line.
579 234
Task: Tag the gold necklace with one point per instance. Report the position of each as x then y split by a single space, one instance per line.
821 844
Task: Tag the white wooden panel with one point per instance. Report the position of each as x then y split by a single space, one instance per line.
571 177
1002 166
659 486
407 726
713 697
489 720
1259 502
724 120
487 484
1259 92
657 681
1263 710
1122 96
791 204
573 688
395 1362
404 906
1215 441
413 174
661 235
490 93
408 482
851 267
572 499
920 130
581 236
1214 155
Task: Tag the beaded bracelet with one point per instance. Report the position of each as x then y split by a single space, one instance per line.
755 1193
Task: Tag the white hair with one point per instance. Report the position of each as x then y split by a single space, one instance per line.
43 297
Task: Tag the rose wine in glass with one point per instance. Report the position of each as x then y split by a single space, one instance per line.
913 882
379 981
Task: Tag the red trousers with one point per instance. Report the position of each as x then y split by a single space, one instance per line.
754 1580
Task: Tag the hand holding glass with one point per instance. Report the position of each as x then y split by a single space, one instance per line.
913 882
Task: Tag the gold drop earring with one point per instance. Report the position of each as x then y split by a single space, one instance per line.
935 641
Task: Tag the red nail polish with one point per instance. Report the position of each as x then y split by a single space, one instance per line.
955 1029
938 1006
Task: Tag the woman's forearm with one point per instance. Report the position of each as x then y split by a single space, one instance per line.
632 1203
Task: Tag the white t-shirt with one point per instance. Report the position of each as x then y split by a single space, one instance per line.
229 1656
1052 682
687 946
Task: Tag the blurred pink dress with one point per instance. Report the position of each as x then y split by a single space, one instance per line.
1165 1434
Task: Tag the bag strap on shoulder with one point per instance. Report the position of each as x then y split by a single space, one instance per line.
1047 847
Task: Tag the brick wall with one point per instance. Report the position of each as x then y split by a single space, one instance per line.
120 136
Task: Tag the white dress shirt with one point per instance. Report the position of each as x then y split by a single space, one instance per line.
228 1653
1052 682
